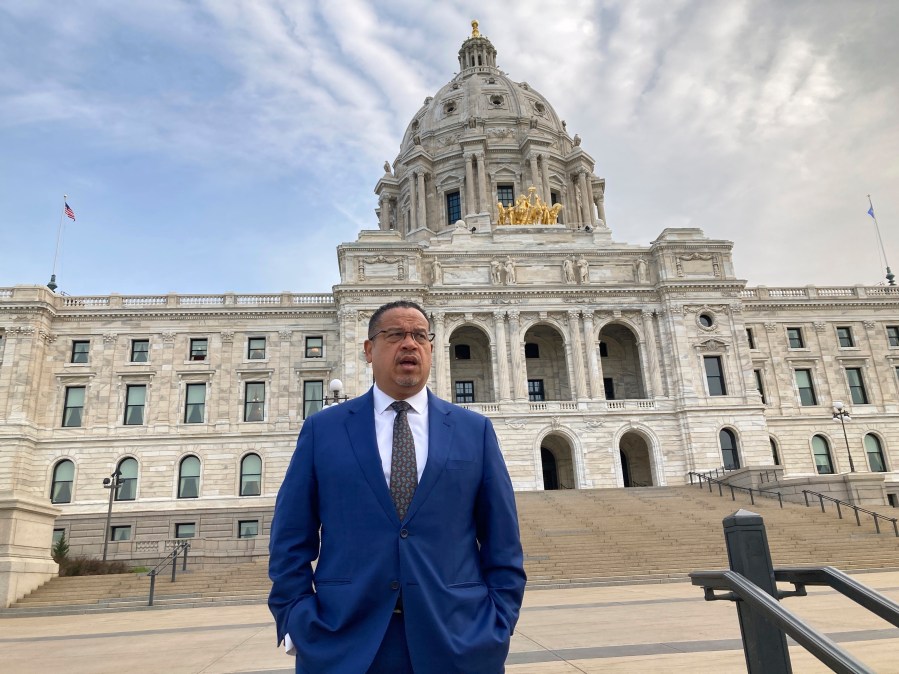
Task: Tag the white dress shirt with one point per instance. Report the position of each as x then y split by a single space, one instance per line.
418 422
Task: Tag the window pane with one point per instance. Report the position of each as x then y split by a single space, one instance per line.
453 207
199 349
80 351
760 386
464 391
185 530
195 404
189 478
256 348
135 398
805 387
844 337
794 336
504 194
313 392
893 335
774 453
821 450
251 475
856 386
254 405
248 528
74 407
729 454
127 491
314 347
121 533
535 390
531 350
63 476
875 454
140 351
750 338
714 376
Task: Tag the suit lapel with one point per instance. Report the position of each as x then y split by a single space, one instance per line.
360 427
440 439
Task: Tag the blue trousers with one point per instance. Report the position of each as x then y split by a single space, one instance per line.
393 655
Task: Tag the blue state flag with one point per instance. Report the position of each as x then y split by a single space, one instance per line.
871 212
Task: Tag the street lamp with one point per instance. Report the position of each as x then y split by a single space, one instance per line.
841 416
112 483
335 386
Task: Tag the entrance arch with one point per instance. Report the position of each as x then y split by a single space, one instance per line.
622 370
471 366
636 461
546 364
558 465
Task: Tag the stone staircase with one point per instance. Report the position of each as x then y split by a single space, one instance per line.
570 538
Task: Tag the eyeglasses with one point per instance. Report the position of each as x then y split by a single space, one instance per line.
396 336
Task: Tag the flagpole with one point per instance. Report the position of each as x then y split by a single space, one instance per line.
891 277
62 214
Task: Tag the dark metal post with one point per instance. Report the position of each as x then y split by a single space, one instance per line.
112 483
184 563
174 564
764 644
152 586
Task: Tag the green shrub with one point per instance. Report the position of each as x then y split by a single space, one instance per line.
60 550
86 566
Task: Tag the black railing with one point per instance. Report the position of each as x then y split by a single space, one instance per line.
751 584
767 493
172 558
841 504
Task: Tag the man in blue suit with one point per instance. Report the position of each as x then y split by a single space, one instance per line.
406 502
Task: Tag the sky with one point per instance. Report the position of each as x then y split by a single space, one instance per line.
230 145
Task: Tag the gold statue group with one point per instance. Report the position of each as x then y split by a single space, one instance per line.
528 210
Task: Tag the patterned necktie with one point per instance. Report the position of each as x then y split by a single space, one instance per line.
403 471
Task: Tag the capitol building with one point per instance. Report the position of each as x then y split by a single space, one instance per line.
601 364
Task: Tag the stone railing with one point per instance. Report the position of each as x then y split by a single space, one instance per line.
818 292
171 300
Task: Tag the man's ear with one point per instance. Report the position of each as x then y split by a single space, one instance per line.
366 347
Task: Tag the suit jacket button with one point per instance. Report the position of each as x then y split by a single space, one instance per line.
404 533
395 585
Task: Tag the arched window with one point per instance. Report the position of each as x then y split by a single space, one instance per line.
774 453
189 477
728 442
251 475
128 489
63 477
875 454
821 450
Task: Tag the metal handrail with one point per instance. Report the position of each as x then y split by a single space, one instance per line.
173 558
758 600
733 488
855 508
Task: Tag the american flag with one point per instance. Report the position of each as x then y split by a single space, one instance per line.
70 212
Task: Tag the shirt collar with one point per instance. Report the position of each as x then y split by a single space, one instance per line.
419 401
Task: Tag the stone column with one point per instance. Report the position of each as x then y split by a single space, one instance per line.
584 215
483 203
654 382
590 346
544 174
641 347
535 173
413 202
385 214
576 351
519 370
440 353
591 200
422 201
469 186
502 361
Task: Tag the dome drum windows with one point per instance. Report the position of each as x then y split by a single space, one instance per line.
497 101
451 107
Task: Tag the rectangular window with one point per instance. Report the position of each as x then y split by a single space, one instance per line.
453 207
247 528
195 404
58 535
856 386
313 395
806 388
254 403
603 350
462 351
140 350
750 338
256 348
315 347
893 335
531 350
714 375
535 390
844 337
608 386
464 391
199 348
760 386
80 351
505 194
794 337
135 399
185 530
120 533
73 411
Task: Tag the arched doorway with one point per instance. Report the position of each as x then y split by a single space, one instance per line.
547 368
622 372
557 462
471 367
636 461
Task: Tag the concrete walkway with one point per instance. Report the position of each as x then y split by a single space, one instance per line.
626 628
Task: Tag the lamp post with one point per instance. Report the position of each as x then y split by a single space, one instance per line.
112 483
841 416
335 387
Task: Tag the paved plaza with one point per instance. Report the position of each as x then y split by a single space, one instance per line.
626 628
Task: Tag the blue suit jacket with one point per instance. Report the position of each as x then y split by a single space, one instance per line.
456 556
